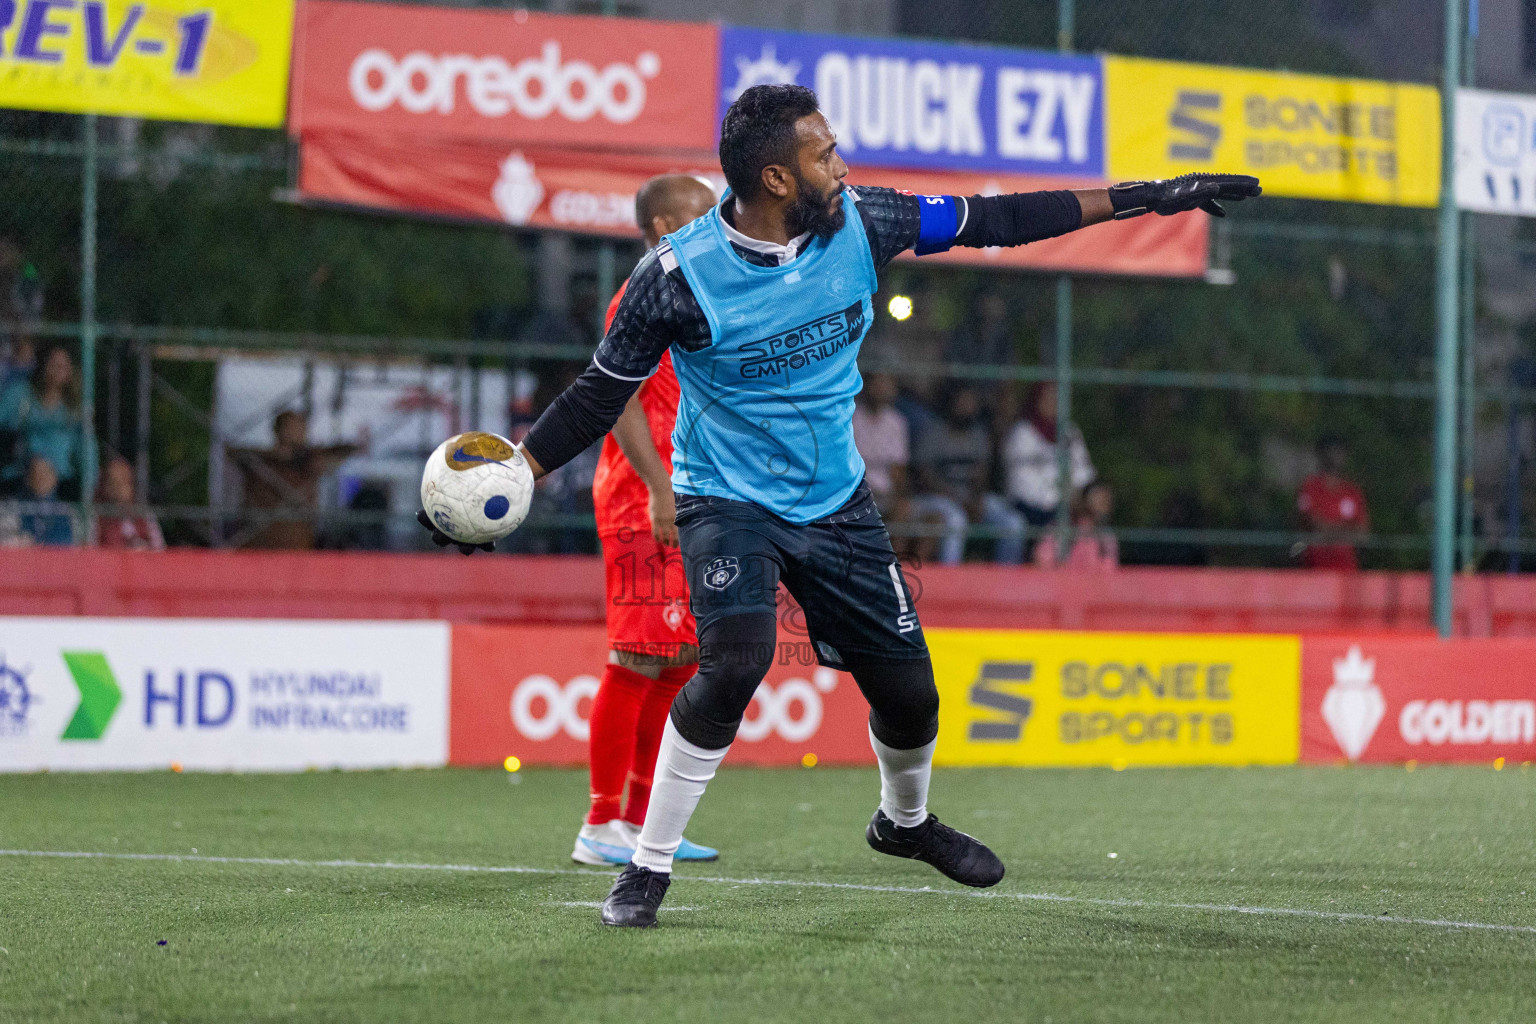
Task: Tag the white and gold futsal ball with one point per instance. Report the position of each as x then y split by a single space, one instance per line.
476 487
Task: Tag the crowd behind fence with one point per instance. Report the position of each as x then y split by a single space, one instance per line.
1277 414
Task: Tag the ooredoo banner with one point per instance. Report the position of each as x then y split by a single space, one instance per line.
1118 699
526 692
594 193
612 83
1376 699
84 693
221 61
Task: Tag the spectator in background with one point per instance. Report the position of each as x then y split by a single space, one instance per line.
119 528
287 477
41 416
1332 505
18 359
1091 544
1030 457
881 436
39 518
952 463
21 290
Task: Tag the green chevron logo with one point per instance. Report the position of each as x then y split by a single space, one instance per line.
99 695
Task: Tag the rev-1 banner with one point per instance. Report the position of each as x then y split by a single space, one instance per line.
593 192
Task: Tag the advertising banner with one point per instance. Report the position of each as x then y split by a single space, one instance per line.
1496 152
594 193
613 83
1120 699
221 695
221 61
1307 136
526 692
1418 699
904 103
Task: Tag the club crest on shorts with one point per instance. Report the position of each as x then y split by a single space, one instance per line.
721 572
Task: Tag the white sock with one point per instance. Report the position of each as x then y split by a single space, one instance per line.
683 769
904 778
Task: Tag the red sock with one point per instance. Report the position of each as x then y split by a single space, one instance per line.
648 729
614 712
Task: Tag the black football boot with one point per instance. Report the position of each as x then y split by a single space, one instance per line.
955 854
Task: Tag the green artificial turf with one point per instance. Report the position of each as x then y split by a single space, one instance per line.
79 938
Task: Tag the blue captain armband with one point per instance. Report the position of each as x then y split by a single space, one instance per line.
939 224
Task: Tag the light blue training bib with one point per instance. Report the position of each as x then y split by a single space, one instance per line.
766 411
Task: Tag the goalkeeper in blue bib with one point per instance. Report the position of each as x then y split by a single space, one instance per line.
764 303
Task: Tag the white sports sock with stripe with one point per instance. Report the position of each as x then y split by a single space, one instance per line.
683 770
904 776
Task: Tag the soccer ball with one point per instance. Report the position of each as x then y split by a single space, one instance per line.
476 487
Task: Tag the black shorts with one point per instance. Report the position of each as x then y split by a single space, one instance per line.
840 568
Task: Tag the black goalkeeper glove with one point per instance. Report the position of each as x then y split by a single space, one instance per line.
1186 192
442 540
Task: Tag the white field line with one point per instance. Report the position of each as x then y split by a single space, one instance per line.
1219 908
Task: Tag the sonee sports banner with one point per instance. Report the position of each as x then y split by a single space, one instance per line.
1308 136
1117 699
220 61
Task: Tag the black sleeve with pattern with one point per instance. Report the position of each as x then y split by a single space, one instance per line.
658 309
891 220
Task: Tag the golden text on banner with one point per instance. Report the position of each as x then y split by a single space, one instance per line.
1308 136
219 61
1053 698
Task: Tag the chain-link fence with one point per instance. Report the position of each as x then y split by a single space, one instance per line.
1202 404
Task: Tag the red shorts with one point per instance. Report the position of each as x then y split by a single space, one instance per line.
647 595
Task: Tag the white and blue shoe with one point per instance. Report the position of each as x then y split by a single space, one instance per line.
613 842
695 852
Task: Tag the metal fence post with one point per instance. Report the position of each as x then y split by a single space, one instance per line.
1447 317
1065 18
1468 523
1063 416
88 319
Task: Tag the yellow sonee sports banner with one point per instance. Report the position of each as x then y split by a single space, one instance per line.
1118 699
223 61
1308 136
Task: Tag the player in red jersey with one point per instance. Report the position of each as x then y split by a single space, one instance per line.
653 649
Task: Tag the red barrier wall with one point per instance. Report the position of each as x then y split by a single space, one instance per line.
356 585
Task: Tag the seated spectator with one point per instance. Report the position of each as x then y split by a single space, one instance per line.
287 477
41 416
1332 505
952 462
1092 545
1030 457
880 433
19 360
38 517
119 527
